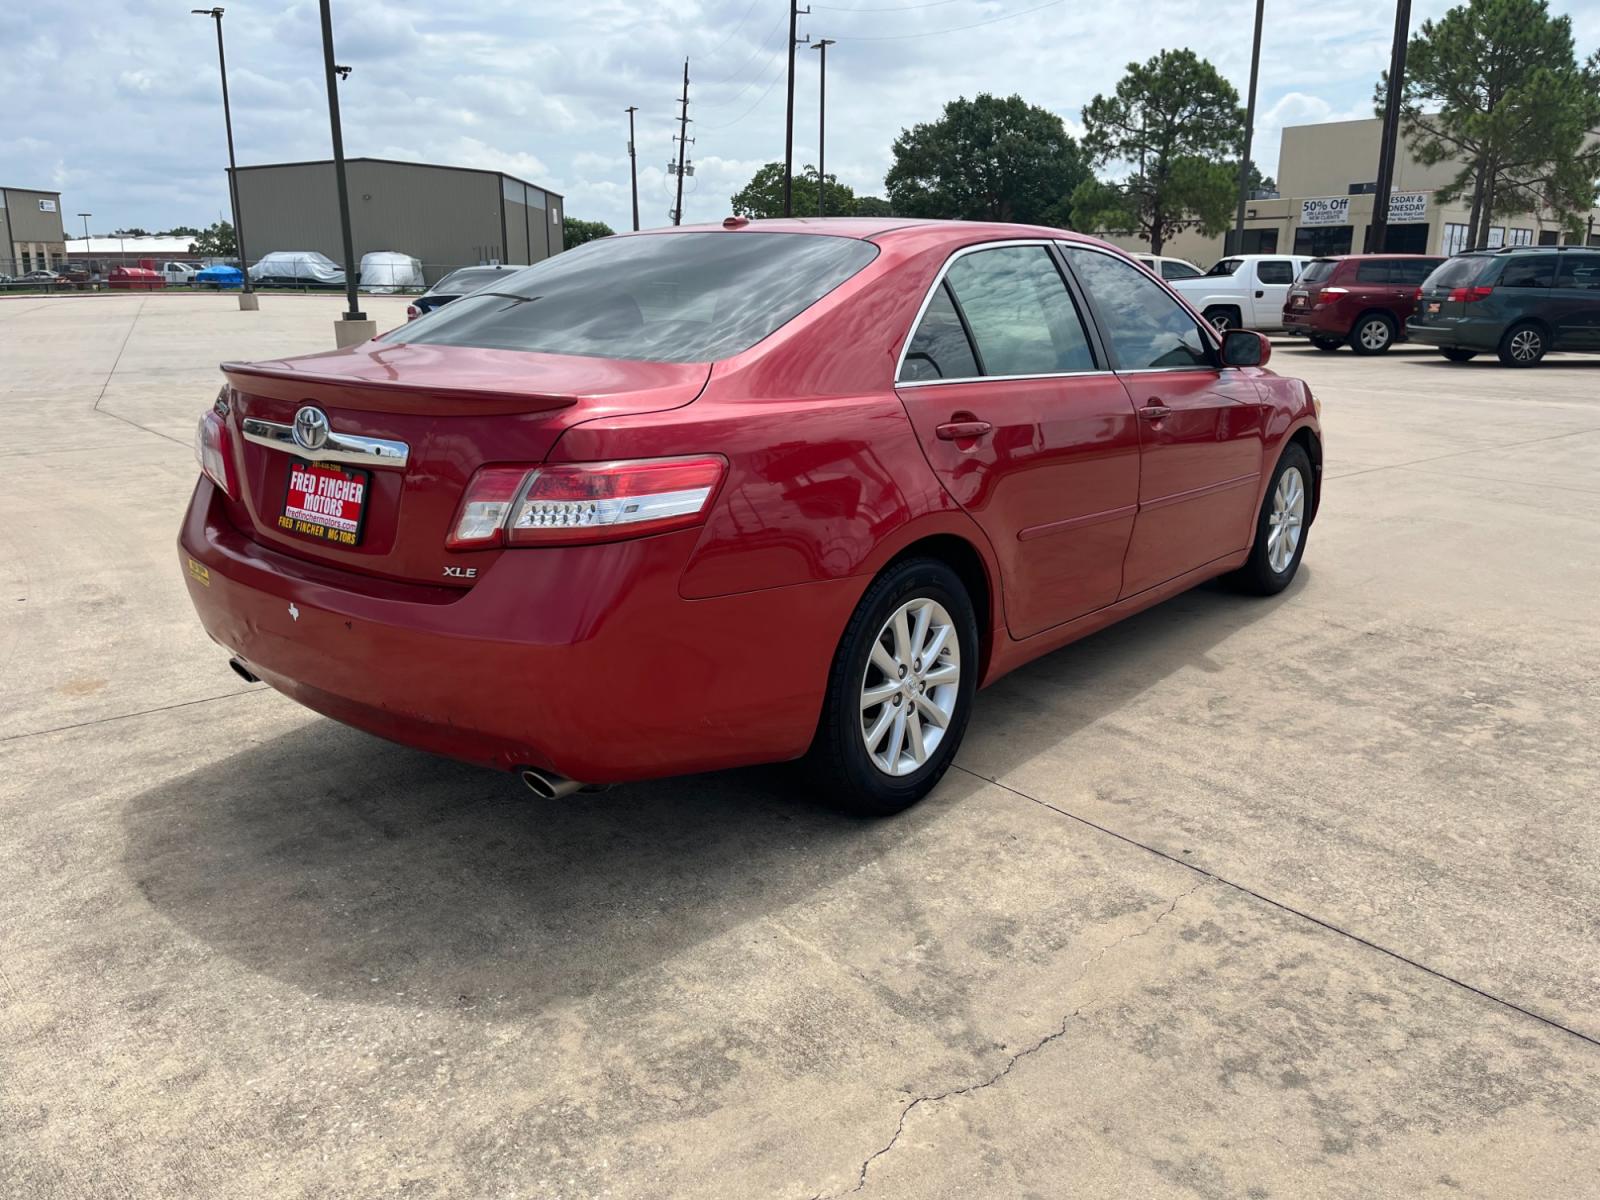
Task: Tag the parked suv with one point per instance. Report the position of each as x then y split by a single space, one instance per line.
1363 299
1519 302
1243 290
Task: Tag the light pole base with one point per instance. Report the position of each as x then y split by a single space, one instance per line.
249 302
353 333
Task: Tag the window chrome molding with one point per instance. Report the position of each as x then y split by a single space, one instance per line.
347 448
938 281
920 383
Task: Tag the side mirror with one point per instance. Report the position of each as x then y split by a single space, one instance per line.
1245 348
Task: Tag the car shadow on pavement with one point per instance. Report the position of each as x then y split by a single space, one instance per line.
346 866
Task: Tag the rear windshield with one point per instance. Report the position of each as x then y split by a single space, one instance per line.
1457 272
1226 266
469 279
683 297
1317 270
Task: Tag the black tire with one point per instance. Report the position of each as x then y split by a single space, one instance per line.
1457 354
1524 344
1257 576
1373 333
1223 317
839 761
1326 345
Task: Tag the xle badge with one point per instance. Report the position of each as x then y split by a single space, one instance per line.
461 572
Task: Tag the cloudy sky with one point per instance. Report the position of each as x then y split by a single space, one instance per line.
116 102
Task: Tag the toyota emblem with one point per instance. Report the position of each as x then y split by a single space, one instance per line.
311 428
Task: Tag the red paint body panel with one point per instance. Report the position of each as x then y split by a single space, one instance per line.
632 659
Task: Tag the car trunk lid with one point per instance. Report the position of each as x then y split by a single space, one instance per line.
406 427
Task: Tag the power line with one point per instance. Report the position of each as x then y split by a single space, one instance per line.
895 37
760 44
753 107
728 37
777 57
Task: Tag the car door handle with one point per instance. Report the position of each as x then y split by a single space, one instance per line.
1154 411
954 431
1259 295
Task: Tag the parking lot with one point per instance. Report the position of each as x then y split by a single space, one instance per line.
1278 898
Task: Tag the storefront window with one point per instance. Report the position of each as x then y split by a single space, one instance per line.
1521 237
1497 236
1455 238
1320 241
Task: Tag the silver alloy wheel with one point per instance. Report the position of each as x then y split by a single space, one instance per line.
1221 321
1525 345
1374 334
1285 520
910 686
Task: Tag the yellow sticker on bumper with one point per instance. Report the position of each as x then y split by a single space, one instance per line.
199 572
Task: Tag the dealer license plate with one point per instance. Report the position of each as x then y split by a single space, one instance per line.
1433 309
325 501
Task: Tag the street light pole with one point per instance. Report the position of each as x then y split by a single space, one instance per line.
353 327
633 166
247 298
1249 131
86 217
822 44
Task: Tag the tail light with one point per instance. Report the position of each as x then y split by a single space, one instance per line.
412 312
1418 296
1466 295
211 451
1328 292
576 503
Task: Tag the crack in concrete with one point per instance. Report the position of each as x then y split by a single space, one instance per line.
1059 1032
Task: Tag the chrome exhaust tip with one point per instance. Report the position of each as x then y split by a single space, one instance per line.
242 671
547 785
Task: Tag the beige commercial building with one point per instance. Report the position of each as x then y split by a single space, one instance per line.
1324 204
31 235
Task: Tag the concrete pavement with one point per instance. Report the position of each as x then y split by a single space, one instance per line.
1275 898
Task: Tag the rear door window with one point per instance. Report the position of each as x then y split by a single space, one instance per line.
1275 271
1147 328
1528 271
1410 272
1021 316
940 348
1225 266
1374 271
1458 272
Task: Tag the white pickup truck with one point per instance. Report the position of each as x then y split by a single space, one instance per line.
1244 291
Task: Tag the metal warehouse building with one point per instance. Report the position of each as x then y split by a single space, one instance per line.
447 216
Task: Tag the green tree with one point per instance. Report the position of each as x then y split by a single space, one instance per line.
763 195
873 206
1495 86
575 232
134 231
180 231
216 242
987 159
1177 123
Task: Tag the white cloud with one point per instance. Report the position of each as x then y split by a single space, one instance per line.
134 131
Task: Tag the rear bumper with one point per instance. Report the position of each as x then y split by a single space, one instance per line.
581 660
1463 333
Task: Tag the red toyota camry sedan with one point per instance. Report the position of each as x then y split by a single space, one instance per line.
769 490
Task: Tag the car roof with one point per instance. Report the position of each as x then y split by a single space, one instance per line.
880 228
1374 254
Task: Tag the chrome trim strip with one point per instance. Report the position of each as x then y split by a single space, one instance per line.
345 448
917 383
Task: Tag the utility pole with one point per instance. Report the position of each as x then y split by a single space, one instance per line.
788 121
822 127
1249 131
683 145
1378 229
354 326
633 166
247 297
86 217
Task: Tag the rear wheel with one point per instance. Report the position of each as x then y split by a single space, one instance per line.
1457 354
899 692
1523 345
1222 317
1373 334
1280 527
1327 345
